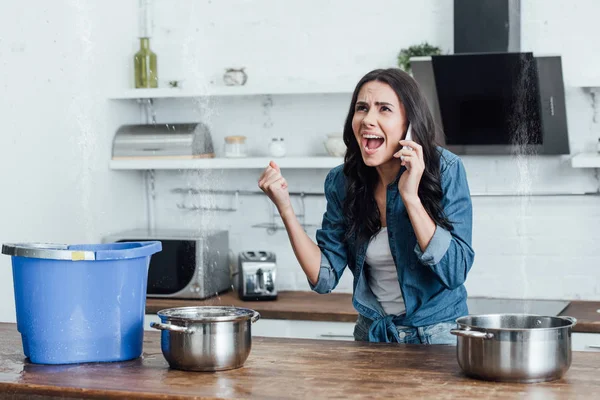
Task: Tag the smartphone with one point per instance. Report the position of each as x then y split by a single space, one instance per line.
408 134
408 137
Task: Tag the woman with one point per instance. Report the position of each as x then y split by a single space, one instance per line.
398 215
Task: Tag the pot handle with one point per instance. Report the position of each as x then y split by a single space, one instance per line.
570 319
255 317
169 327
472 334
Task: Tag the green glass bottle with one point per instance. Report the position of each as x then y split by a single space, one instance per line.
145 65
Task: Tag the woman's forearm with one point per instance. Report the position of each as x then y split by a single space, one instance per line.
306 251
422 223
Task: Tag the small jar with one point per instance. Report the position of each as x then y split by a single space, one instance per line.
235 77
235 146
277 147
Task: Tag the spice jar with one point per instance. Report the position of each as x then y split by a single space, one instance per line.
235 146
277 147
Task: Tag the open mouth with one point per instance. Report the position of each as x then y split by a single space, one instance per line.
371 142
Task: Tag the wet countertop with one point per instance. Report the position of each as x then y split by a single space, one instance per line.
310 306
280 368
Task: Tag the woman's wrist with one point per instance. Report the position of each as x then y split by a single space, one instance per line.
286 213
411 201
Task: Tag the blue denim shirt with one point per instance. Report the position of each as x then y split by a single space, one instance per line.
431 281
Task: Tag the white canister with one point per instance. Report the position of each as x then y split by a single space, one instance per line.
335 145
277 147
235 146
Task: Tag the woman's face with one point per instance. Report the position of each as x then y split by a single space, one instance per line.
379 123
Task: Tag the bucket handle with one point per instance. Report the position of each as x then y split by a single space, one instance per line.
143 249
170 327
472 334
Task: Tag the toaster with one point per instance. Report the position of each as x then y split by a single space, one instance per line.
191 265
257 275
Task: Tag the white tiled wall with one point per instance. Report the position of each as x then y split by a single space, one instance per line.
526 246
539 247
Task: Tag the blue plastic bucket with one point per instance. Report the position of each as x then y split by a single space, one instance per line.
81 303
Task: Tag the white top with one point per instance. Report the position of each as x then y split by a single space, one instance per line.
382 275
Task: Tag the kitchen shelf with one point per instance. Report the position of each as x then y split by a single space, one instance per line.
227 163
586 160
218 91
593 83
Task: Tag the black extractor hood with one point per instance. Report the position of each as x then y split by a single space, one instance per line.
489 97
487 26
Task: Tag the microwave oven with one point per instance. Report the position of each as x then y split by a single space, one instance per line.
192 264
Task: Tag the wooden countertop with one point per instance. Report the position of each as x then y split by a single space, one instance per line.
297 305
302 305
279 368
587 314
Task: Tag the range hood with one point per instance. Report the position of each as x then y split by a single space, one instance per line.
489 97
487 26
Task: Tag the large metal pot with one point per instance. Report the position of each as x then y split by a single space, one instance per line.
514 347
206 338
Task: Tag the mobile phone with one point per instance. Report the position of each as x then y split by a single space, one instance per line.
407 137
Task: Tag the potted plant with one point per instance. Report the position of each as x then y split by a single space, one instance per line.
423 49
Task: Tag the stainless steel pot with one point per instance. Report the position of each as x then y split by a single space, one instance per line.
514 347
206 338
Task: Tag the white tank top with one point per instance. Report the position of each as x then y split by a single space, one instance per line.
382 275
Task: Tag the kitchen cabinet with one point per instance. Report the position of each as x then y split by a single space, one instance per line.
326 330
585 341
298 329
285 328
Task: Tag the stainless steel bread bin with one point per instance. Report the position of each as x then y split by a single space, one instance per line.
188 140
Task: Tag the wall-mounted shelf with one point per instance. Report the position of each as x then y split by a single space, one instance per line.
587 84
227 163
586 160
218 91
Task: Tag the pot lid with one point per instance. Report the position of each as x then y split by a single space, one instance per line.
207 313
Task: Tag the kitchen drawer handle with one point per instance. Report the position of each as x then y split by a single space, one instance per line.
472 334
593 346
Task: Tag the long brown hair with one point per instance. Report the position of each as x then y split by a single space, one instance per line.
360 208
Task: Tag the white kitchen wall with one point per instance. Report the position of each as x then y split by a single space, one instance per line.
60 63
56 60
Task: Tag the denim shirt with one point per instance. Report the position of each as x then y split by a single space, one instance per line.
431 281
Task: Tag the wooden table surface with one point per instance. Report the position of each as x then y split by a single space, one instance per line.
279 368
302 305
